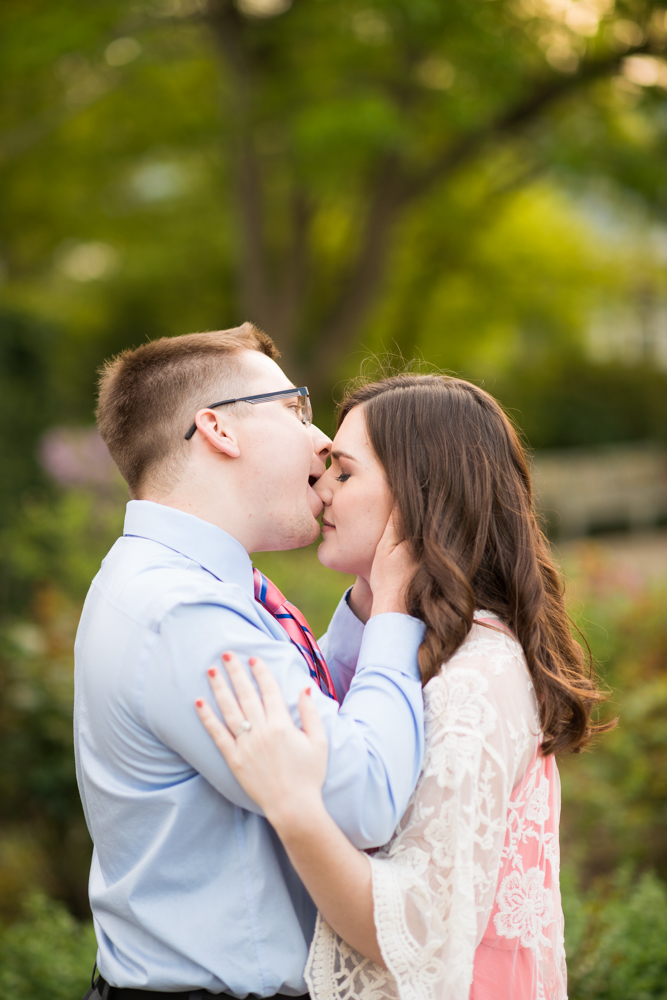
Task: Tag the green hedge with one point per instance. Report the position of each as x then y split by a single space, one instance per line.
616 938
46 953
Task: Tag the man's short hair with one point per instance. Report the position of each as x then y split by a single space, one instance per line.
148 397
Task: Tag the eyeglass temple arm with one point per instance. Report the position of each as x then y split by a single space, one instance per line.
212 406
263 398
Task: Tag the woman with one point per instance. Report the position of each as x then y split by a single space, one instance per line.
464 901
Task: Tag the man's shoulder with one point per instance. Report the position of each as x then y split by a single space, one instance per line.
147 581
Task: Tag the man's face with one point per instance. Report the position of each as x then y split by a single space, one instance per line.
280 457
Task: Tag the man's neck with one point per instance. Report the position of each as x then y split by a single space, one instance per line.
191 504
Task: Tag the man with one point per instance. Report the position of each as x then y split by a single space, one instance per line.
191 891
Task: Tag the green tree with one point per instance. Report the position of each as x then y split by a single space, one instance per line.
329 169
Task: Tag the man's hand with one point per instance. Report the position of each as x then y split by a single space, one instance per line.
393 568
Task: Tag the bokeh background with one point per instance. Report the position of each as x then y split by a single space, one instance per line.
477 184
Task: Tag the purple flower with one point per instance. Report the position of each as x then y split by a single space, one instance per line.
76 456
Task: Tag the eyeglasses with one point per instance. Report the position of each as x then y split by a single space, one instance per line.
303 410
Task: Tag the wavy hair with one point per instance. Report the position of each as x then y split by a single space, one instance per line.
460 482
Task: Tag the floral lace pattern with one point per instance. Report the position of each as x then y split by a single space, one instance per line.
466 893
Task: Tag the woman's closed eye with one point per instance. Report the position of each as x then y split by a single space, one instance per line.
343 478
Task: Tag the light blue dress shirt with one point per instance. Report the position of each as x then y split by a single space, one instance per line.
189 886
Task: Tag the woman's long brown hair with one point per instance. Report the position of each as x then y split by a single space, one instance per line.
460 481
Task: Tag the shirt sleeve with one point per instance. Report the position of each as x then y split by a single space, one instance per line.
340 645
375 740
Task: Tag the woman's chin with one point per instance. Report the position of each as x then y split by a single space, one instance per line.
332 559
322 554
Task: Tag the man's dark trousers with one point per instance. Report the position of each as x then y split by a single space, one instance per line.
101 990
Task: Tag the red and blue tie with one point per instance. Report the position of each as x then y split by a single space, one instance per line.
297 629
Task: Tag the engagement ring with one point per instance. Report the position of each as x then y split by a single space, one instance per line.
245 728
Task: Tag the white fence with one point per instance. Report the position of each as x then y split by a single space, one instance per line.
585 490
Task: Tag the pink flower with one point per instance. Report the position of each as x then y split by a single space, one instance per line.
524 907
75 456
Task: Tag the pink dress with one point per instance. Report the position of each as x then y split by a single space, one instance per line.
466 894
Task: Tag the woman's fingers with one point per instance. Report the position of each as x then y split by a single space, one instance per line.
240 704
390 536
393 568
273 760
311 723
249 701
219 733
227 702
273 698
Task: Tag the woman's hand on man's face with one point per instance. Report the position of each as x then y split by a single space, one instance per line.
280 766
393 568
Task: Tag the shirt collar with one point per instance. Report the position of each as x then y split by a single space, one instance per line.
212 548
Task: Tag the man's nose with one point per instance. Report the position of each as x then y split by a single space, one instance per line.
323 488
321 451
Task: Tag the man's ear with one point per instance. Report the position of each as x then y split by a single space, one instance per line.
217 433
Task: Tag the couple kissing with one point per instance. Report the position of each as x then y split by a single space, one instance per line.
372 815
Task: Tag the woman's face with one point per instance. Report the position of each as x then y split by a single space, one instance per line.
357 501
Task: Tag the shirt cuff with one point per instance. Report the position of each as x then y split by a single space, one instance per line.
391 641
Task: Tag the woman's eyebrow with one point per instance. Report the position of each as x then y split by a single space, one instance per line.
342 454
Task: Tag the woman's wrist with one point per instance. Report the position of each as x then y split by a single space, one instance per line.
360 599
390 601
296 815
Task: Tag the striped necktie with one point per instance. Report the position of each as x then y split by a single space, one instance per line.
297 629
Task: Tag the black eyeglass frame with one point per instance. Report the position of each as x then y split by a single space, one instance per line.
266 397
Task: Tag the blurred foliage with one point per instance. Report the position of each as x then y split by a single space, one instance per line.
26 398
45 953
464 179
59 540
572 402
52 550
615 937
56 541
615 798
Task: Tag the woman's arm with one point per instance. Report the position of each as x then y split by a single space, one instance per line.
283 769
336 874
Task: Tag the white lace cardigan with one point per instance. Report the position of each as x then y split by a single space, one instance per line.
466 893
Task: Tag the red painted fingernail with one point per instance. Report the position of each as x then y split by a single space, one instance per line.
308 691
211 671
252 661
199 703
226 657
